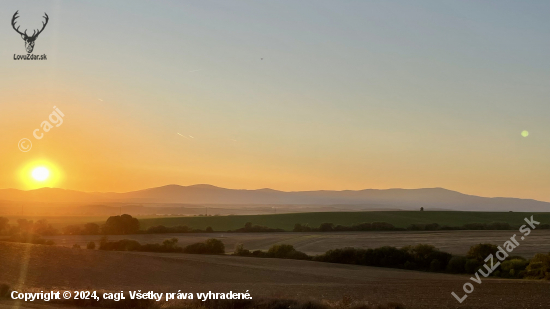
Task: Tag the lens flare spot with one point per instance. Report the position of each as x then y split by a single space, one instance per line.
40 173
525 133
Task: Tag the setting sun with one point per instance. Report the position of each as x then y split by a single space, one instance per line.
40 173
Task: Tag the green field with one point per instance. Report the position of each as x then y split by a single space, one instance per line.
397 218
314 219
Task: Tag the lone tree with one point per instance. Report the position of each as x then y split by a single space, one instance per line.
421 208
124 224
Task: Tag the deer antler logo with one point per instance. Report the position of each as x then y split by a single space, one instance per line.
29 40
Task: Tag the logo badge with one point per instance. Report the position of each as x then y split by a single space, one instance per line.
29 39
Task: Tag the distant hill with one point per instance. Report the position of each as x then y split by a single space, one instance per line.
429 198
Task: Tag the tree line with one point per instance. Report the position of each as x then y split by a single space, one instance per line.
31 231
420 257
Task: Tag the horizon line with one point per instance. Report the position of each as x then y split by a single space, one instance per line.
302 191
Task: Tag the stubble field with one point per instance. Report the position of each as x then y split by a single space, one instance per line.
58 268
455 242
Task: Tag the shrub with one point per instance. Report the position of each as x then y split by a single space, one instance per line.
302 228
410 265
124 224
436 265
432 227
161 229
4 224
481 251
286 252
241 251
211 246
91 229
382 226
121 245
326 227
415 227
196 248
72 230
498 226
90 245
76 246
457 265
258 253
170 244
30 239
249 228
344 256
472 265
423 255
474 226
539 267
215 246
363 227
514 268
389 257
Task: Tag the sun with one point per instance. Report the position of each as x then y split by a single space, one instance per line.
40 173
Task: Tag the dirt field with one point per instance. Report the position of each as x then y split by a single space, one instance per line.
48 268
455 242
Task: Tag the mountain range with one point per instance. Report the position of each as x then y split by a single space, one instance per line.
406 199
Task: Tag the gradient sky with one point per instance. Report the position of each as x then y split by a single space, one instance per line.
349 95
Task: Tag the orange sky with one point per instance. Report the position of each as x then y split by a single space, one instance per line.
330 106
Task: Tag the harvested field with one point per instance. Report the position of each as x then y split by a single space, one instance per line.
455 242
48 267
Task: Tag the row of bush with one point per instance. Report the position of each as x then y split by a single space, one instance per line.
29 239
210 246
24 226
385 226
248 228
115 225
126 224
161 229
330 227
420 257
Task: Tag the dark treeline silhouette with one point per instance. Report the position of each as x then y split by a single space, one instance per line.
30 231
248 228
282 251
384 226
86 229
161 229
330 227
210 246
420 257
27 231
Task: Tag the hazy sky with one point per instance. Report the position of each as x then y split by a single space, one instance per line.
349 95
